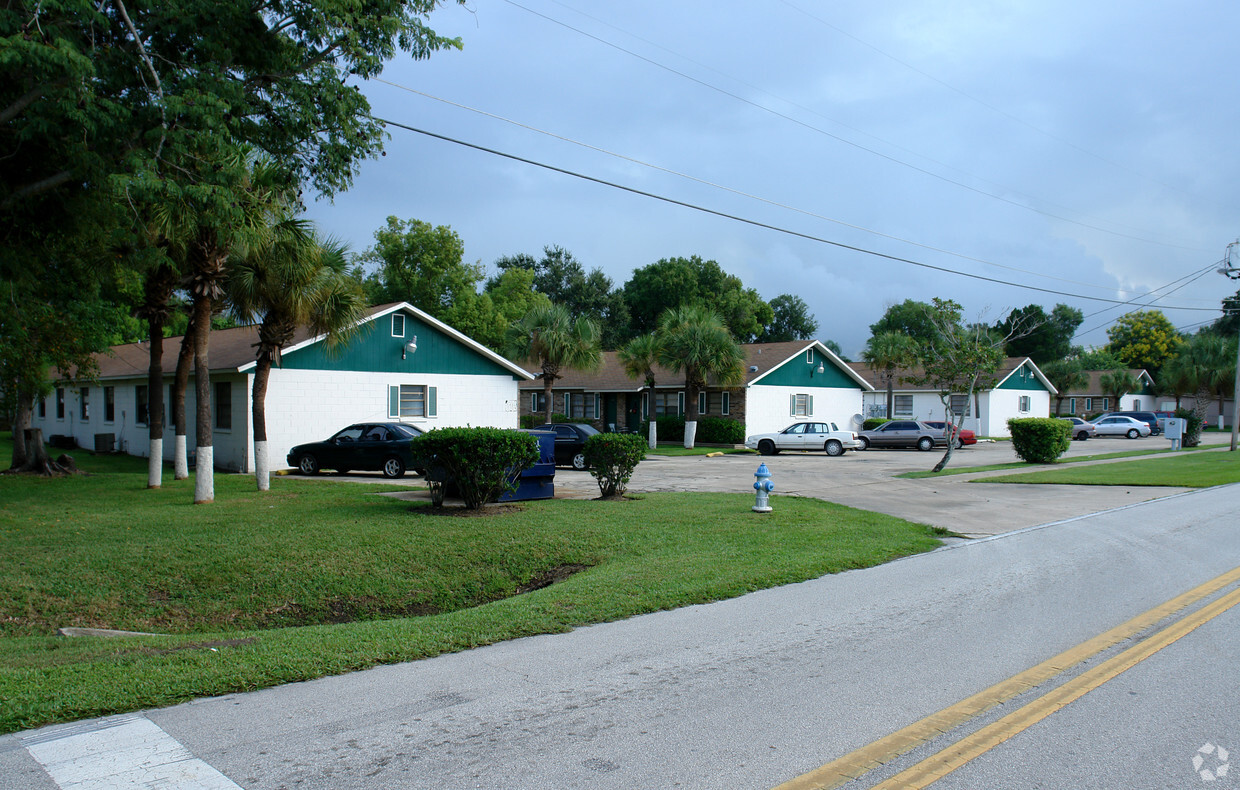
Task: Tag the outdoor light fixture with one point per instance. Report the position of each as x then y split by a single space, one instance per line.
409 347
819 369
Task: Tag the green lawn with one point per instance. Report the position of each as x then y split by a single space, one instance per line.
319 577
673 449
1196 470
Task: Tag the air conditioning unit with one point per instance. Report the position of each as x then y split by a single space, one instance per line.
105 442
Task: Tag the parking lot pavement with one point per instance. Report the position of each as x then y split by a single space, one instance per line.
866 480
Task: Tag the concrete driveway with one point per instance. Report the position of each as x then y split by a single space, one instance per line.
865 480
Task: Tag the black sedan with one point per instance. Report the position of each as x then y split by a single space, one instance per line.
368 446
570 440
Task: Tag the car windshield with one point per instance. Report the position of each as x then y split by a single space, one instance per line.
588 430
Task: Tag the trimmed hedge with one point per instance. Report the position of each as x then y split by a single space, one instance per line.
530 420
1040 440
710 430
483 463
612 457
873 423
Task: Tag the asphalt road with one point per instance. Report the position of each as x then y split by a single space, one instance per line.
758 690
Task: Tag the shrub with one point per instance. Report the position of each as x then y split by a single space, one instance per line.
483 463
873 423
1192 427
612 457
720 430
1040 440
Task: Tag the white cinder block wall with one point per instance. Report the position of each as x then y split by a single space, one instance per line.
767 408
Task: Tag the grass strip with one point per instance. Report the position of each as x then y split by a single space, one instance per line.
1188 471
319 577
1058 463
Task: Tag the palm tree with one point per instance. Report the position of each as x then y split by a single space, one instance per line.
1066 375
553 339
205 227
639 356
888 352
159 283
296 279
695 340
1118 383
1204 365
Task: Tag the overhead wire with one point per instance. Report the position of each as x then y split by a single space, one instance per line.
725 188
755 223
838 138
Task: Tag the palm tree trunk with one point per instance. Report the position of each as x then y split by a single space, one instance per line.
548 382
155 402
891 396
204 466
652 437
691 412
180 461
262 464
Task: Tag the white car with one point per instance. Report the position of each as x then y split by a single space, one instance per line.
805 436
1121 426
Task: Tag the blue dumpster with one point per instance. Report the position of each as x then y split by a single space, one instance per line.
537 482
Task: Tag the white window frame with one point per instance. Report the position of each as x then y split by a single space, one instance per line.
401 394
1072 405
398 318
958 398
801 404
1089 404
1106 404
895 406
587 401
703 403
60 404
141 411
727 403
1025 404
109 404
84 404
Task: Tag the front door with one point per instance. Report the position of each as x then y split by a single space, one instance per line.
609 412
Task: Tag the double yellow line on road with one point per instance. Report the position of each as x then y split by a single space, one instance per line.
853 765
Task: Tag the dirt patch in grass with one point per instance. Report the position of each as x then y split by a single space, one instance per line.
150 651
464 512
548 578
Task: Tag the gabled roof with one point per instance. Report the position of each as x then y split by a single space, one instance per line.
233 350
1006 368
1094 387
760 359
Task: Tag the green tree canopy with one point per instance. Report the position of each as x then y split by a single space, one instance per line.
674 282
1066 375
911 318
695 341
1144 339
791 320
562 279
1041 337
552 338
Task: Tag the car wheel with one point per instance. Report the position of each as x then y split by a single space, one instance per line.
957 444
925 443
1082 436
865 443
1133 433
766 447
308 464
393 468
834 447
579 461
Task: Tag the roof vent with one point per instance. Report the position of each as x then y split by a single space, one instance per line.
753 368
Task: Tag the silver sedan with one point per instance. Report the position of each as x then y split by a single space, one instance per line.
1121 426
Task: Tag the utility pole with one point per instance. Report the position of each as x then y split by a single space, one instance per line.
1233 272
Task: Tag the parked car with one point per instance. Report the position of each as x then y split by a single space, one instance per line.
1121 425
1147 417
966 436
570 441
1163 416
904 433
805 436
1081 429
369 446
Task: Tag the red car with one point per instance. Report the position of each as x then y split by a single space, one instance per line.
966 436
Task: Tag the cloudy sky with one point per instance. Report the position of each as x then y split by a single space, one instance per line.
1087 149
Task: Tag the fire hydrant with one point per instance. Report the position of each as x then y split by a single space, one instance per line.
764 487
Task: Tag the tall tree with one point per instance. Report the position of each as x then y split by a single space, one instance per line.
1144 339
639 357
1046 337
791 320
673 282
910 317
695 341
553 339
563 279
295 279
888 352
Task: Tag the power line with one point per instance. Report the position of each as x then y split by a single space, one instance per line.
732 190
755 223
1195 276
838 138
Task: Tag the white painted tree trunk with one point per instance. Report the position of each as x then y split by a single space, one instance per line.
204 476
653 438
155 464
262 466
180 461
690 433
